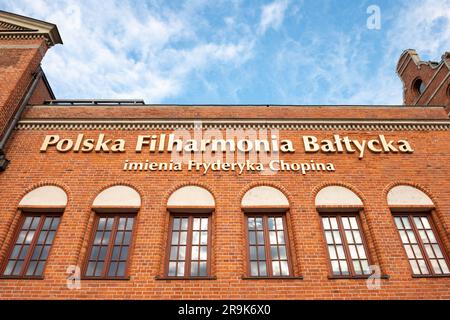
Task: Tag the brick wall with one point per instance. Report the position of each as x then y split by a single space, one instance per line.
83 176
19 59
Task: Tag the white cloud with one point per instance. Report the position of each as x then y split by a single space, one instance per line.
115 50
422 25
340 72
272 15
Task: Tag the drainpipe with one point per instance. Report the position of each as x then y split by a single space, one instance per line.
9 130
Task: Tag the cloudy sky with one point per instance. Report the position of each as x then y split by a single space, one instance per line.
236 51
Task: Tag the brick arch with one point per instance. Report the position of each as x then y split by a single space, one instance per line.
275 185
44 183
177 186
315 190
391 185
113 184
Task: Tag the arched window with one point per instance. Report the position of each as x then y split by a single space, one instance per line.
267 236
189 241
41 211
418 86
339 208
112 234
412 209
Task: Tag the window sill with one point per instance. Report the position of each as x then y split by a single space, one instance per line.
362 277
416 276
272 278
20 278
106 278
186 278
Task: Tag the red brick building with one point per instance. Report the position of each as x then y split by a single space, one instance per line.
261 202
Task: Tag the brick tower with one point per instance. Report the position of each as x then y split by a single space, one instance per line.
23 43
424 82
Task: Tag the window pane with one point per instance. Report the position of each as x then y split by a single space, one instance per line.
203 270
329 237
357 267
344 267
326 223
353 223
204 238
176 224
349 237
282 252
273 237
284 268
194 253
361 252
259 223
274 252
280 237
194 269
406 224
418 223
172 269
276 268
279 222
340 252
254 268
184 224
122 224
183 237
260 237
182 253
353 253
337 237
261 253
204 224
425 223
252 237
414 266
332 252
444 266
262 269
398 223
196 225
251 223
335 267
252 253
345 223
130 223
180 271
333 223
357 236
271 223
203 253
423 267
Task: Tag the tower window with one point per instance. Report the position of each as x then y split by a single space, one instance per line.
419 86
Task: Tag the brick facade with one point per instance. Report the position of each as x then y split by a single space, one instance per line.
84 175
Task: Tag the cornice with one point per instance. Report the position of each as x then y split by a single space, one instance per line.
281 124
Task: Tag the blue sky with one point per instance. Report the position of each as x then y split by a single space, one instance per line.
236 52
